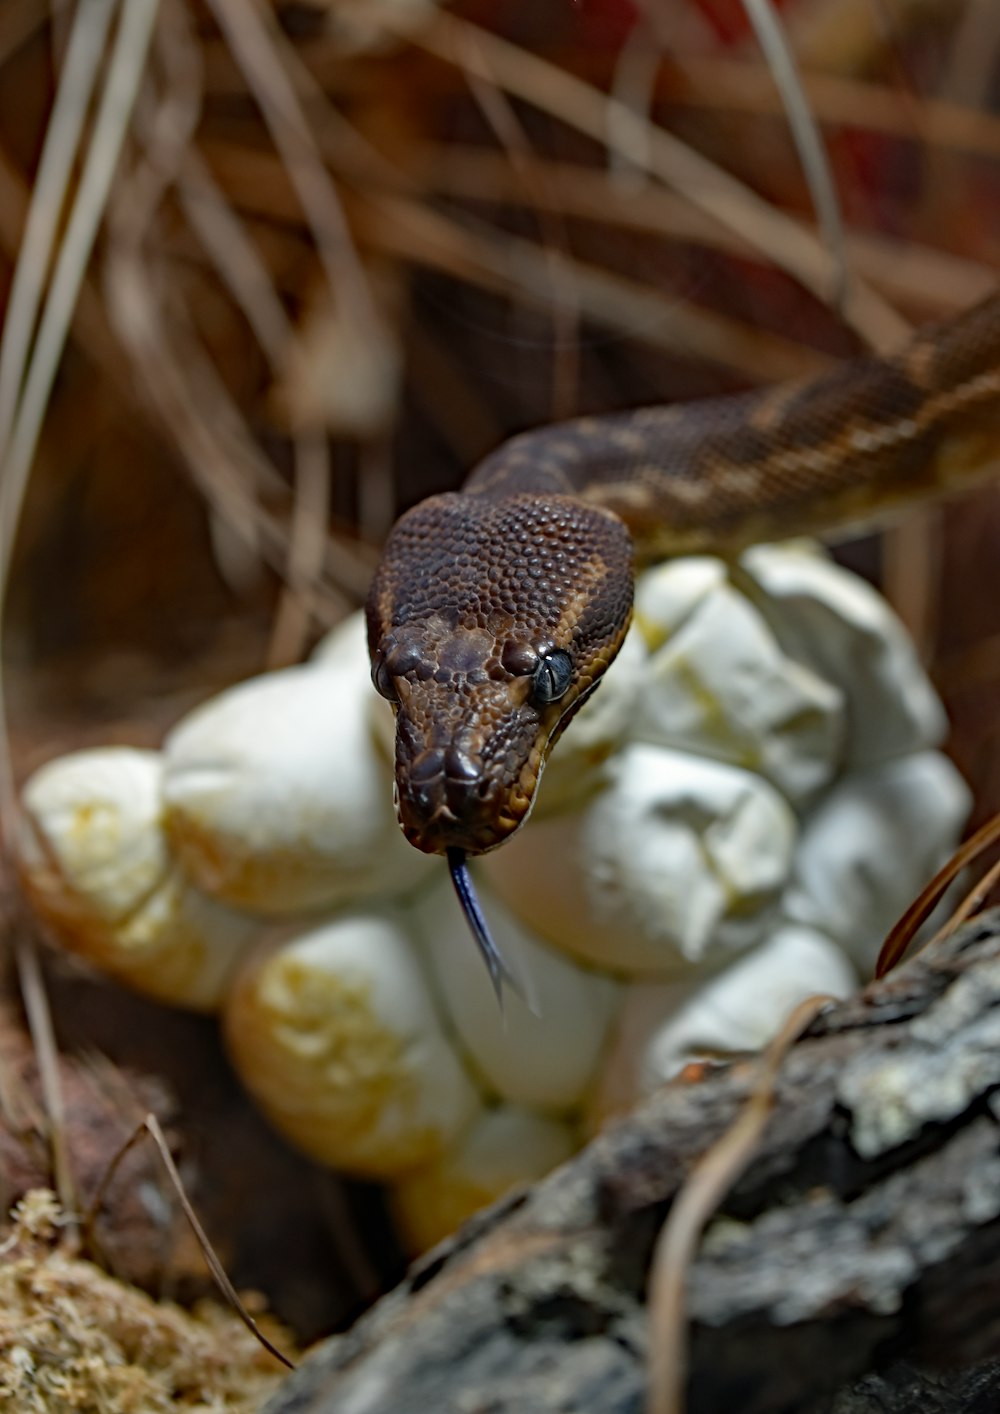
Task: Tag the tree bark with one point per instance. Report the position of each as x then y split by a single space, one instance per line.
854 1268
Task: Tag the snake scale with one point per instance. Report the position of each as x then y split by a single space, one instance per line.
495 610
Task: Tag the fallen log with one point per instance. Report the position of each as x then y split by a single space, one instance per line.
860 1249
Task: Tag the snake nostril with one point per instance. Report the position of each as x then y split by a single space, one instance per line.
460 767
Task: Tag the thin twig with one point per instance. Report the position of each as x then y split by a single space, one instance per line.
118 96
786 242
702 1192
246 29
307 542
806 136
903 932
736 86
235 257
43 1039
238 264
150 1125
474 251
62 139
415 233
972 901
114 112
633 88
935 281
502 118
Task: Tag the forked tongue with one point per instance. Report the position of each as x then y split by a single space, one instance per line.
499 972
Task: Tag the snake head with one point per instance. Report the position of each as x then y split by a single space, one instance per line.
490 619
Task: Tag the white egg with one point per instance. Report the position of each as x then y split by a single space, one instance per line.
676 863
545 1058
665 850
720 686
502 1149
668 594
335 1035
345 646
96 864
660 1028
579 761
278 797
832 621
870 846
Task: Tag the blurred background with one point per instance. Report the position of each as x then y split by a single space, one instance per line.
350 245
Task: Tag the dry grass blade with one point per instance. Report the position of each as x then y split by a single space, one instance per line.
62 139
806 136
246 30
240 267
417 234
726 84
181 382
150 1125
234 256
39 1014
89 325
306 547
113 116
343 146
262 60
118 96
502 118
183 386
903 932
932 281
633 88
973 901
703 1190
114 113
784 241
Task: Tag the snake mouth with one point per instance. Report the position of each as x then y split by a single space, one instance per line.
448 800
445 831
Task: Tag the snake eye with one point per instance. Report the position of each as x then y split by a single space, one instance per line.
552 677
384 684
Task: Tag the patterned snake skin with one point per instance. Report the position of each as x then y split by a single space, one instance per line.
496 610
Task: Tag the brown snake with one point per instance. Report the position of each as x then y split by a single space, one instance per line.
495 610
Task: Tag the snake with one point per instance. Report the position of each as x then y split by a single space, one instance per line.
495 610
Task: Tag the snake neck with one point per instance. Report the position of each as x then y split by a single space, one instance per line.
815 457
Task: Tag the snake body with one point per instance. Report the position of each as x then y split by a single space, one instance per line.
495 610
